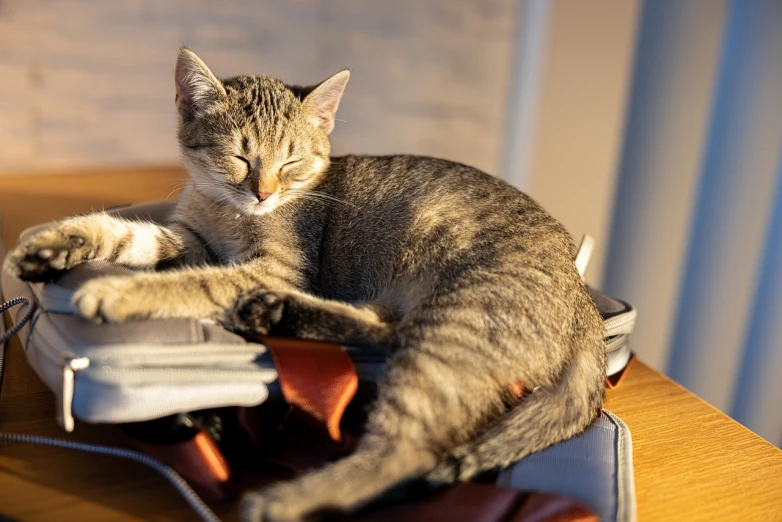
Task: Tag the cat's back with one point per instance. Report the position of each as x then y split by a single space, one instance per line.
413 173
436 195
417 214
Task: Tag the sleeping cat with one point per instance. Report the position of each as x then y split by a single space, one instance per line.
467 283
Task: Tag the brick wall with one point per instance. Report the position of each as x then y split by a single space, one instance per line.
88 83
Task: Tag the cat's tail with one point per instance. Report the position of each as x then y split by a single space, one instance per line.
547 416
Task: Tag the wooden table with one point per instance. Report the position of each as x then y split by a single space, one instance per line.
691 461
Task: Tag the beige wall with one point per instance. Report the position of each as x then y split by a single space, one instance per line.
579 119
89 83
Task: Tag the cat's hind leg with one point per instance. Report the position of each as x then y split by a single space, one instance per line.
413 426
426 406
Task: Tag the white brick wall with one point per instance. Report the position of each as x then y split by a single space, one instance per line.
88 83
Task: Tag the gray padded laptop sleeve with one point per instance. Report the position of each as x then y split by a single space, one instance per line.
595 468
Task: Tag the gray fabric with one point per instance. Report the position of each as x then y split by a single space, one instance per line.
80 274
607 305
594 468
618 352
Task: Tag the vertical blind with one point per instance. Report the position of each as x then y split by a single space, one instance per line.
695 233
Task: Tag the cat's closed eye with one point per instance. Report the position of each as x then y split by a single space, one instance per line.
289 165
243 164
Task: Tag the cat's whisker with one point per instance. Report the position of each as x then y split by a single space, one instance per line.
312 197
176 189
321 195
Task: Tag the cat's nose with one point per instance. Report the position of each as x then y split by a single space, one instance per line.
263 196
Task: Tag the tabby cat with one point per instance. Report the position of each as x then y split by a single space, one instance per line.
467 283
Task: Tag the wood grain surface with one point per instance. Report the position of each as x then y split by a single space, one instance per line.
691 461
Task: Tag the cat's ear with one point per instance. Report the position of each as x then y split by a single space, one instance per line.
196 87
321 104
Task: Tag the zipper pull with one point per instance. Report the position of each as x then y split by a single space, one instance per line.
70 365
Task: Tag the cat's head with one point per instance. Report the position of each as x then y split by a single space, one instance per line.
252 141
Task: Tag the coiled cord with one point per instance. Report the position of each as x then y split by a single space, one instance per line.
176 480
6 336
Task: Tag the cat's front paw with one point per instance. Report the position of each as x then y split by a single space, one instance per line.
49 253
112 299
275 504
255 312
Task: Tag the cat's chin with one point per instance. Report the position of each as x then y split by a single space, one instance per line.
254 208
260 210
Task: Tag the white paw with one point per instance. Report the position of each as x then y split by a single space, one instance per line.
112 299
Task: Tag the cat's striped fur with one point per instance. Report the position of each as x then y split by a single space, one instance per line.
467 283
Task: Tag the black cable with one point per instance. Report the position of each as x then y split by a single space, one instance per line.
19 324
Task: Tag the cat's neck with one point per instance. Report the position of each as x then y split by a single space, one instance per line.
238 236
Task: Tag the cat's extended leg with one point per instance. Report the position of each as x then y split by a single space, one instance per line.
95 236
201 292
305 316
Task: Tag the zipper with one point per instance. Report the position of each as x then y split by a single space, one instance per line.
150 355
615 342
205 374
621 324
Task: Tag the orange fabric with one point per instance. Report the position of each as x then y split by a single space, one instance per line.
615 380
548 507
458 503
198 460
213 458
316 378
